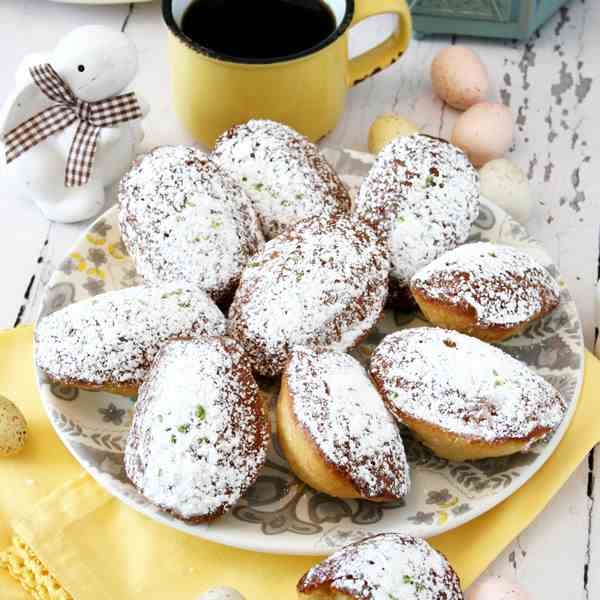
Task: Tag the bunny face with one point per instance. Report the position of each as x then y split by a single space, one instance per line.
96 62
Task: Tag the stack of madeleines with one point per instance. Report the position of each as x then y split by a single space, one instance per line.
220 305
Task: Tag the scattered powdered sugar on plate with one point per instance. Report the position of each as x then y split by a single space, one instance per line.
504 286
113 337
199 435
423 195
388 566
284 174
184 218
316 282
337 404
463 385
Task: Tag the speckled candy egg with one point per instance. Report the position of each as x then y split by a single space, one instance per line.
386 128
13 428
484 132
459 77
496 588
221 593
506 185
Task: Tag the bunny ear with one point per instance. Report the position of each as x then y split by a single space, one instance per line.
26 102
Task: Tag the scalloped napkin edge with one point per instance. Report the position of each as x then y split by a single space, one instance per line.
67 538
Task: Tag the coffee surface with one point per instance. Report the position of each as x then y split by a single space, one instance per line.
264 29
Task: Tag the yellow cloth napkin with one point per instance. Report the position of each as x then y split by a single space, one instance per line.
70 539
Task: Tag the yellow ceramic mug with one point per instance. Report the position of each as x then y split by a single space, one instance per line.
307 90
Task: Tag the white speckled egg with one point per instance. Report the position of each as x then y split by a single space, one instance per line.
496 588
459 77
221 593
13 428
484 132
506 185
388 127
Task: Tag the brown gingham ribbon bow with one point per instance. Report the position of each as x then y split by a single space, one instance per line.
92 117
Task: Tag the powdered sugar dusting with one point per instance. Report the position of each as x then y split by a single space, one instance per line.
388 566
199 436
463 385
319 280
285 175
113 337
423 195
183 218
336 403
504 286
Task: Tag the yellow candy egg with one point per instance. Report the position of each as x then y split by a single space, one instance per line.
459 77
13 428
484 132
386 128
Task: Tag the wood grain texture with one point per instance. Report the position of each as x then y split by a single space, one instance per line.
549 85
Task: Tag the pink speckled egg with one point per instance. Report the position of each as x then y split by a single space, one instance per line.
459 77
496 588
484 132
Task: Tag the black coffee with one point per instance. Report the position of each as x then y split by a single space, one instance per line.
258 29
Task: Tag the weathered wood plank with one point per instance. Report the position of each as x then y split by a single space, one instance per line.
547 84
549 557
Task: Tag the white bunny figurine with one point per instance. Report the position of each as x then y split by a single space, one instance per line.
96 63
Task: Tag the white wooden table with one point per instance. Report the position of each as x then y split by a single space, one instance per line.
547 82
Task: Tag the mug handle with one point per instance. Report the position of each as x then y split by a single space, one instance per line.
389 51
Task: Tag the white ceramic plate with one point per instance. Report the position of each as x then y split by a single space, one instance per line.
280 514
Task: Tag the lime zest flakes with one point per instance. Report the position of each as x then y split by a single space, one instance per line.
200 412
184 428
176 292
498 380
419 587
173 439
